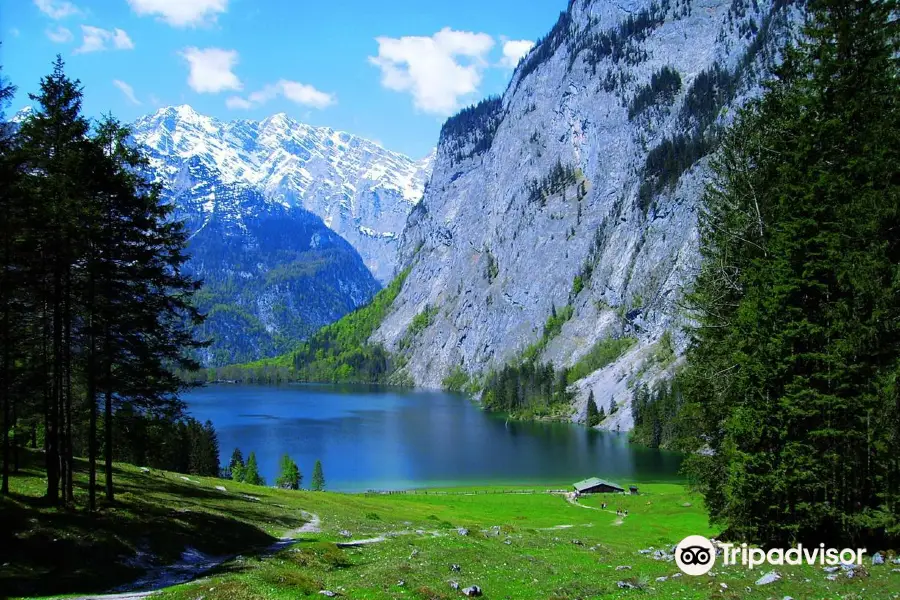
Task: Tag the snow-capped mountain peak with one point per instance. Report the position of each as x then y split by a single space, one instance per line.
356 186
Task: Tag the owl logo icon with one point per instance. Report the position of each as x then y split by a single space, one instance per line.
695 555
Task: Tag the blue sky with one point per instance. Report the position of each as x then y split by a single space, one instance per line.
391 71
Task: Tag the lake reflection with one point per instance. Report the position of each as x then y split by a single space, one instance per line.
370 437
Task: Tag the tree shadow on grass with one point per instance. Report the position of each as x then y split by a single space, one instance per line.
47 550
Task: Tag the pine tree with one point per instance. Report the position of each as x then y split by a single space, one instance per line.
792 368
251 471
593 415
289 477
318 477
9 305
236 466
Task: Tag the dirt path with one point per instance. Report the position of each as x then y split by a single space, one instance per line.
571 500
194 563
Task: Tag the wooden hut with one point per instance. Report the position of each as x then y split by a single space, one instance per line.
595 485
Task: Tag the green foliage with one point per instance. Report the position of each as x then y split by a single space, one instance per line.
621 43
341 352
663 87
492 269
666 162
526 387
96 305
603 353
318 478
793 365
236 466
251 471
289 476
419 323
556 181
545 47
577 286
659 421
556 321
338 352
471 131
456 381
593 415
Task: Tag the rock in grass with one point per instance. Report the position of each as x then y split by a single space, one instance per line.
770 577
454 585
626 585
345 533
472 591
878 558
462 531
830 569
623 568
221 488
455 568
401 583
663 578
328 593
578 542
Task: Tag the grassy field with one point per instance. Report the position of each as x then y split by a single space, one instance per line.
521 545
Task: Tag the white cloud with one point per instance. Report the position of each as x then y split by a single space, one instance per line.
60 35
513 51
96 39
210 70
127 90
57 9
181 13
438 70
14 32
299 93
236 102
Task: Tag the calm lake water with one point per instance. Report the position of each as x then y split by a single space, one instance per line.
369 437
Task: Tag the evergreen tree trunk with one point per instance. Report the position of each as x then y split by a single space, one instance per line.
69 455
91 401
107 431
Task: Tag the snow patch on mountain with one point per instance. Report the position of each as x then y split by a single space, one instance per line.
353 184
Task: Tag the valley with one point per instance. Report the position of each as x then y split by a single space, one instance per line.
640 297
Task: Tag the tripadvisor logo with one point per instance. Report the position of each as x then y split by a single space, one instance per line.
696 555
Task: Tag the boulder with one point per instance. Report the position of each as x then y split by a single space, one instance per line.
770 577
472 591
878 558
455 568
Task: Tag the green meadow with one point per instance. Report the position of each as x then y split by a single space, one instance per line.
511 542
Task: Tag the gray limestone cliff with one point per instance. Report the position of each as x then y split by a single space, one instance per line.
579 187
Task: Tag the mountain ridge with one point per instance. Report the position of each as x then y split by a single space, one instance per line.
359 189
578 189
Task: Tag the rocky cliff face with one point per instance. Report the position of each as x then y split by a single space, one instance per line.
577 191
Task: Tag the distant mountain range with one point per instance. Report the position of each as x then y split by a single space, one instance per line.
292 226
